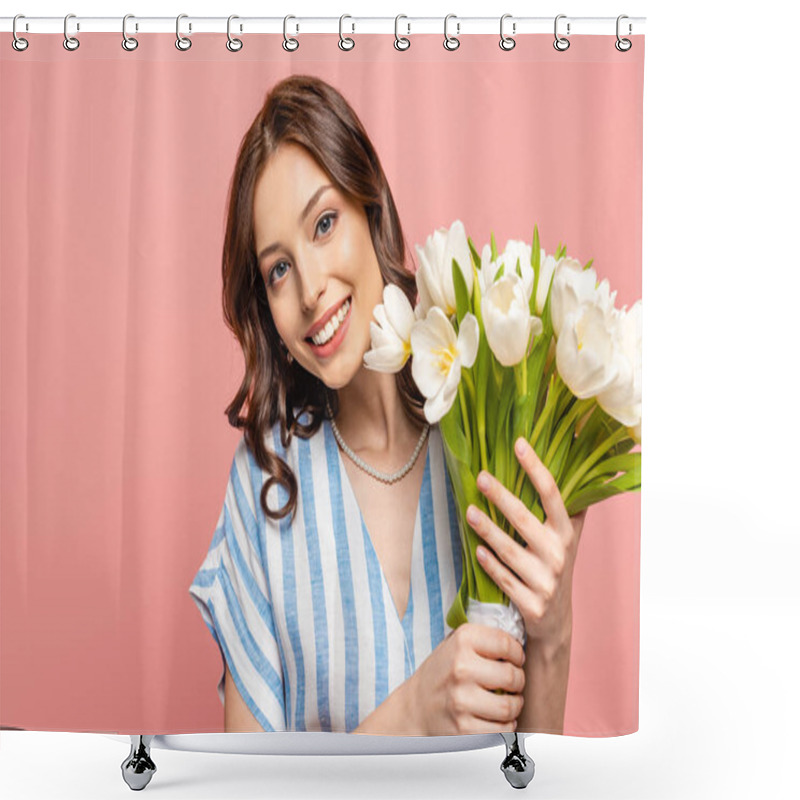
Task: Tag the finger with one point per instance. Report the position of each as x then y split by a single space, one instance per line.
487 705
493 643
545 484
514 510
524 596
526 563
493 674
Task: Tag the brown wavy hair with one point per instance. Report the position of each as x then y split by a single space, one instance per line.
309 112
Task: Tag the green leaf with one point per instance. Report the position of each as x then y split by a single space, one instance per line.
476 259
505 401
454 437
494 248
629 463
499 273
462 293
457 614
588 263
547 321
595 494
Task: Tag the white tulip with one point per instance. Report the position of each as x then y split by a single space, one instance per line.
547 266
515 251
434 274
622 400
586 355
391 337
507 320
572 286
488 269
439 356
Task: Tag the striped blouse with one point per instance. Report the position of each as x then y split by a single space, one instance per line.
302 613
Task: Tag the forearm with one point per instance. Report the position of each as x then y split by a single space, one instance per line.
393 717
546 675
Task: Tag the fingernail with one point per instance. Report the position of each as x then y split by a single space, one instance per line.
472 515
521 447
483 481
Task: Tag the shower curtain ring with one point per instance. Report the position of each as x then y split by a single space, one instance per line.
128 42
345 42
289 42
451 42
560 42
233 44
400 42
18 43
506 42
623 45
70 42
182 42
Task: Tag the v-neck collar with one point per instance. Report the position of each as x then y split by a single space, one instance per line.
415 544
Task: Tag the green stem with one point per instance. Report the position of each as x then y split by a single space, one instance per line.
617 436
549 405
466 376
464 416
484 459
577 409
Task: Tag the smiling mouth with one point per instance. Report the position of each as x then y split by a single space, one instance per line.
323 337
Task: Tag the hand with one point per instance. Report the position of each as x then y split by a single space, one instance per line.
451 692
537 577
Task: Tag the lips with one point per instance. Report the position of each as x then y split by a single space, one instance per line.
324 319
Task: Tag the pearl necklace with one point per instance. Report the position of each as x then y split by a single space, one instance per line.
381 476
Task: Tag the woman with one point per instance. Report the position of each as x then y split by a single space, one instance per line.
328 578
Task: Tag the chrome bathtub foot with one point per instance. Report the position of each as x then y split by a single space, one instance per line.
138 768
517 766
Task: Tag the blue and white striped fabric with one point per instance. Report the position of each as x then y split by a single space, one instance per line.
302 613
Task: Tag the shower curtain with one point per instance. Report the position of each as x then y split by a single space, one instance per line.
120 469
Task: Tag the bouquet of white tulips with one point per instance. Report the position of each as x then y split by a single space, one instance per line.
517 344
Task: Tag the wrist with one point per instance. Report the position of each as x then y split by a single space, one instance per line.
409 707
552 648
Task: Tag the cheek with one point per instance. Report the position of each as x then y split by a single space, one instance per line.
279 321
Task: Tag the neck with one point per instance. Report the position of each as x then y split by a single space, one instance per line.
371 417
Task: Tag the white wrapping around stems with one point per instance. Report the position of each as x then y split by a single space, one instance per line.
497 615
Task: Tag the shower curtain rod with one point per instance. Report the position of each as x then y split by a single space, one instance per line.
458 26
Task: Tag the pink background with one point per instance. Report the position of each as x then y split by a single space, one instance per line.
116 366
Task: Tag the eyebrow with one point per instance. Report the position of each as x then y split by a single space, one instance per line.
309 205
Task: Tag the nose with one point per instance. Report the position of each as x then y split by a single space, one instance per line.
313 279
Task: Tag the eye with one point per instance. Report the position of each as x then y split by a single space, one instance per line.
330 217
272 272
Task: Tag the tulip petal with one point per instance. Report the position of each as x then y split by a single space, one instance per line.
398 310
438 405
425 363
468 340
386 359
380 337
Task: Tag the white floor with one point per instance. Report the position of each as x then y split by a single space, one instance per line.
718 718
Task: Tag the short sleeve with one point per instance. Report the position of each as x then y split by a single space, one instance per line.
231 592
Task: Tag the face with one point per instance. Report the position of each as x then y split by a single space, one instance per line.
315 254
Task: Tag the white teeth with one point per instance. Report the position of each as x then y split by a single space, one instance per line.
327 332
